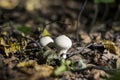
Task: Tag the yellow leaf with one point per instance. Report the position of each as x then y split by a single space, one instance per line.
31 5
4 33
109 45
6 50
12 48
45 33
23 43
26 63
44 70
2 42
40 70
8 4
4 46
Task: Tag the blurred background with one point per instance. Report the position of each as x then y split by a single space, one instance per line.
97 14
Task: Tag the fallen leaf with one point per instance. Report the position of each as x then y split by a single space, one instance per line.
2 42
23 43
8 4
31 5
45 33
85 37
63 67
11 47
25 29
99 73
42 71
109 45
27 63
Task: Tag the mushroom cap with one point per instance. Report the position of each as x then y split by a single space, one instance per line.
63 42
46 40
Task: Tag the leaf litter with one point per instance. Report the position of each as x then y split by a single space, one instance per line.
23 58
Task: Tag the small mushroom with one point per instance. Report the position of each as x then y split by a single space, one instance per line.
46 40
63 43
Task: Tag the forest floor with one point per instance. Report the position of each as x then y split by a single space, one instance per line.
94 54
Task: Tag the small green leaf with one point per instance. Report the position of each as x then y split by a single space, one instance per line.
83 64
25 29
63 67
104 1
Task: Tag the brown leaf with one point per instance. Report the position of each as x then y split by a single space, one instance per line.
109 45
85 37
43 71
99 73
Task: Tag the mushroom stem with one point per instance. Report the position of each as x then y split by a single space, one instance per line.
63 51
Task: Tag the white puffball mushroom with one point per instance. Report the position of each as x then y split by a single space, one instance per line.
44 41
64 43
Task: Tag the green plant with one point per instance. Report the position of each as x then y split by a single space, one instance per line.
104 1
